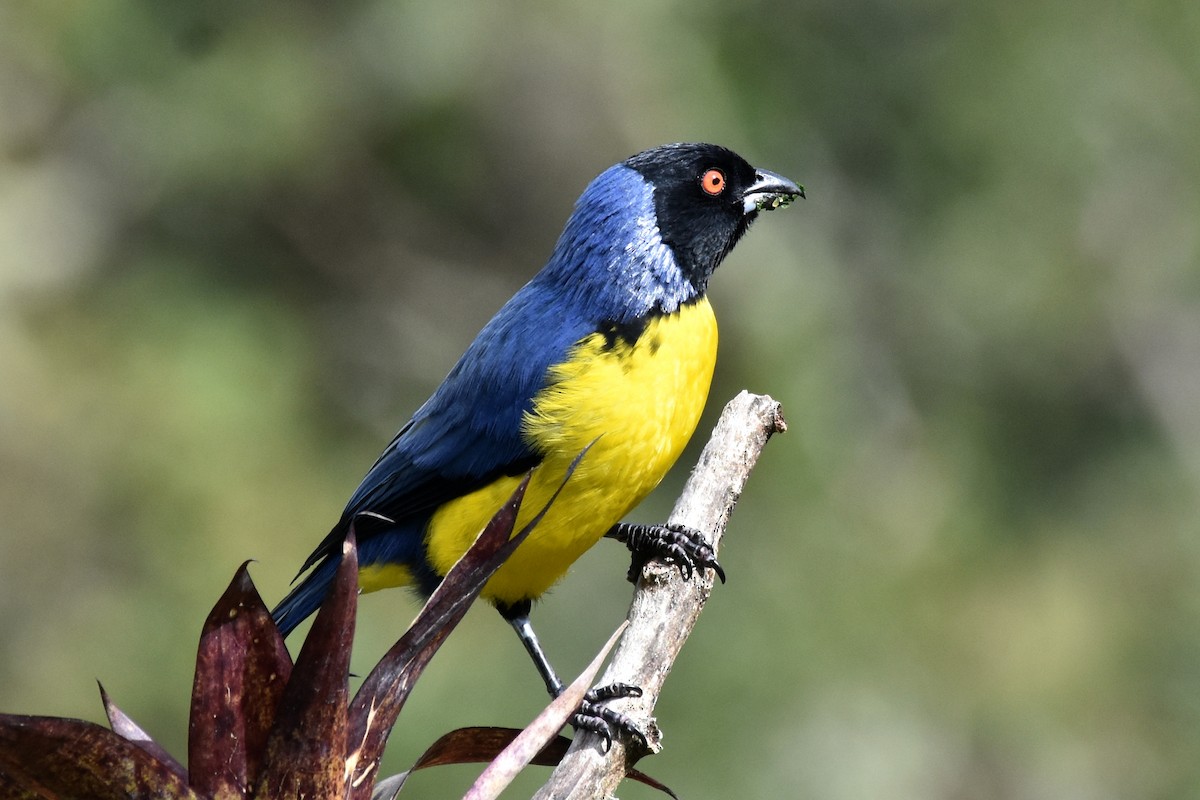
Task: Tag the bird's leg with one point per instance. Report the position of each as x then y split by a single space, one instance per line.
518 617
684 546
592 714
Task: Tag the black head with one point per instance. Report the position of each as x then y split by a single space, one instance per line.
705 197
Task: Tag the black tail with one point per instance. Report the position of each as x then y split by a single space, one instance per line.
306 598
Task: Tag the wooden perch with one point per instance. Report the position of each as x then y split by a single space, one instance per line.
665 607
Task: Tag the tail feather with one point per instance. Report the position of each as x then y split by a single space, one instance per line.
380 542
305 598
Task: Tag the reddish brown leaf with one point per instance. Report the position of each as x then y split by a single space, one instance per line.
383 694
12 789
48 757
641 777
483 744
480 745
129 730
306 750
242 667
385 690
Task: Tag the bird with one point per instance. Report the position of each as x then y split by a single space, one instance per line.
598 368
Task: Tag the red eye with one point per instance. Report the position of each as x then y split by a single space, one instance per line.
713 182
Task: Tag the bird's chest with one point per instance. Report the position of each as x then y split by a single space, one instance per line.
633 397
632 403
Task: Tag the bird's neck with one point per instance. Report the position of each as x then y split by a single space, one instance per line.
611 252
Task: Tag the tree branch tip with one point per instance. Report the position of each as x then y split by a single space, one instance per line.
778 423
773 414
654 737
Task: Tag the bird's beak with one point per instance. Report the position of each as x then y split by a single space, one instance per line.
769 192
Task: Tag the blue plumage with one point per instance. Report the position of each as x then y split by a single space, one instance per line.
609 265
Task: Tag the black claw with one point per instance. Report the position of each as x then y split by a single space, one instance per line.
606 722
613 690
585 721
680 544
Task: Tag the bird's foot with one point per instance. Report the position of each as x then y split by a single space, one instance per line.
603 721
684 546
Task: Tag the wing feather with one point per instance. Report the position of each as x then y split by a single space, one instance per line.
469 431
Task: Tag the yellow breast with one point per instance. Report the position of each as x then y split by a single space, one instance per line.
636 404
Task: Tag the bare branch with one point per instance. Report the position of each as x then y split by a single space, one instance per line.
665 607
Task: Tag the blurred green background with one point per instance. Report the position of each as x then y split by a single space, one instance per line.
241 242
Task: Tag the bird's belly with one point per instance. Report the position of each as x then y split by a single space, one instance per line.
633 406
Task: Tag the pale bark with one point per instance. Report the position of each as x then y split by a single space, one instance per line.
665 606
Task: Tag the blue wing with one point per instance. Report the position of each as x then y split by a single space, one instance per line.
464 437
469 432
610 267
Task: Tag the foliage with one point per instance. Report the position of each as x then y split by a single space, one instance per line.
261 727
